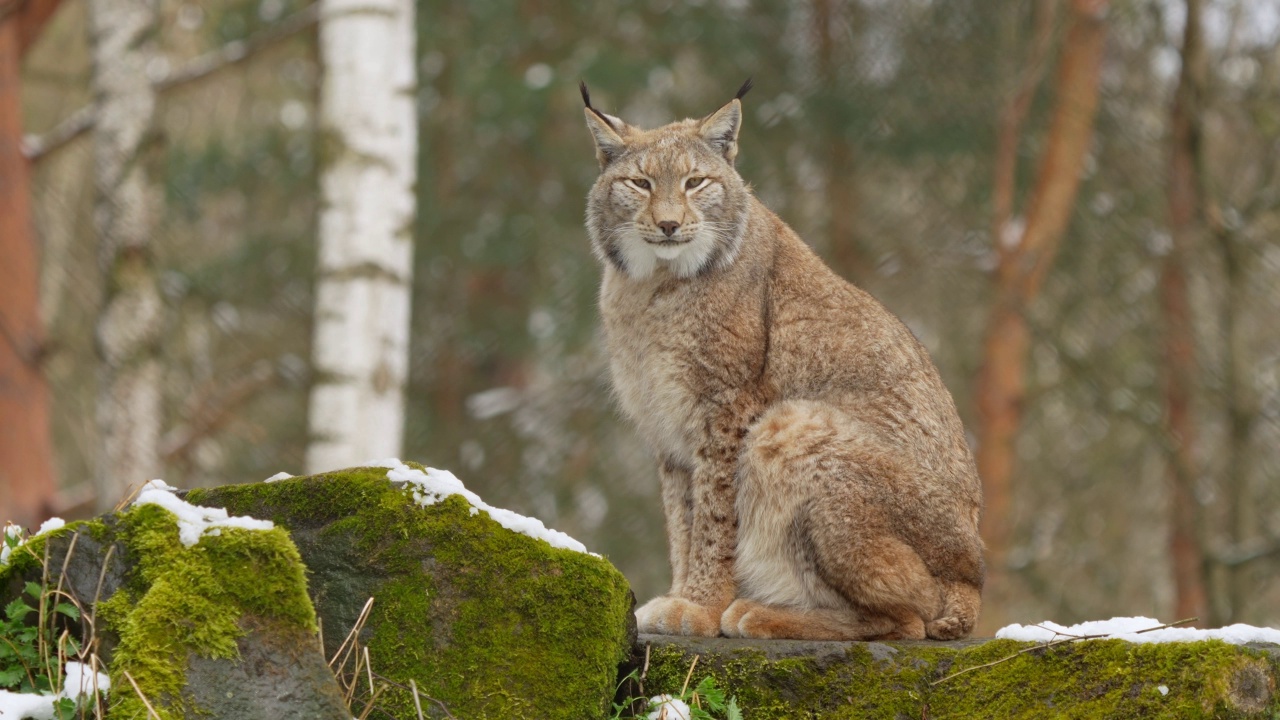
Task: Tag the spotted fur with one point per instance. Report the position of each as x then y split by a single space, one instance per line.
815 476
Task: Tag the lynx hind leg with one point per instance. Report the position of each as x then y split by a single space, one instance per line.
960 605
751 619
814 541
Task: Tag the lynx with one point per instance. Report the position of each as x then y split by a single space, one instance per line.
815 477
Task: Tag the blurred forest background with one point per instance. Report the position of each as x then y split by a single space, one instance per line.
1099 287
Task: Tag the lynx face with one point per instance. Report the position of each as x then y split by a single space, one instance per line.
667 197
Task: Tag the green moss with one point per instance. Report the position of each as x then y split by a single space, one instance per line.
1097 679
494 624
26 562
184 601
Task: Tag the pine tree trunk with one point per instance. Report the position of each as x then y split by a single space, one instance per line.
122 40
1024 257
27 477
369 130
1185 549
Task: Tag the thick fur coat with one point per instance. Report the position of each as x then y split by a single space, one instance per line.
815 477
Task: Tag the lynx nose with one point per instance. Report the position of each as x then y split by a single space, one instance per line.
669 227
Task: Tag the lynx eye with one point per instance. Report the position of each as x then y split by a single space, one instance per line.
640 183
694 183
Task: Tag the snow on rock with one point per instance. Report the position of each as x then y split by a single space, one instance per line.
666 707
193 520
434 485
13 538
78 680
1128 628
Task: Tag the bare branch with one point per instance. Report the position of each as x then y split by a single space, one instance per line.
216 411
233 53
1054 643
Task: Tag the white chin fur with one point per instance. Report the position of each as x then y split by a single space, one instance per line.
669 252
685 260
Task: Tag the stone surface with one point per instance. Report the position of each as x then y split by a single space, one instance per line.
491 623
221 630
909 680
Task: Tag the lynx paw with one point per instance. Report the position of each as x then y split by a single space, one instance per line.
731 622
667 615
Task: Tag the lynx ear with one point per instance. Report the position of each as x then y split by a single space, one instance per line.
609 132
720 129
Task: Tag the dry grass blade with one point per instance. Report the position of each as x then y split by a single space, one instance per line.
1055 643
368 667
133 493
351 636
417 693
97 695
62 574
150 710
355 680
692 665
417 702
97 595
368 707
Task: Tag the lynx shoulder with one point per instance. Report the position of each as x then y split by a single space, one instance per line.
815 477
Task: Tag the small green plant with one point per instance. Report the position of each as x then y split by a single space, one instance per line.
27 662
34 644
706 701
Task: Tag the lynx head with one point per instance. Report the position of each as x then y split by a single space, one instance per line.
668 197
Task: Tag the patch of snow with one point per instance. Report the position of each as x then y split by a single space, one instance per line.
278 477
53 523
194 520
434 485
666 707
80 676
1129 628
78 681
12 532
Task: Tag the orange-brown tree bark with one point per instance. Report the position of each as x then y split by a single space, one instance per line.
28 482
841 186
1024 252
1186 551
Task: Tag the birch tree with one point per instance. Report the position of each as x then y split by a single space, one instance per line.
122 39
369 130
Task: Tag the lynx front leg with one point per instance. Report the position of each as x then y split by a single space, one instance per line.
677 506
705 586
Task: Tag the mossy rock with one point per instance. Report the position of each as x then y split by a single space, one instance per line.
896 680
194 627
491 623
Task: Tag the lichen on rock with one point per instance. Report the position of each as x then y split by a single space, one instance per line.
490 622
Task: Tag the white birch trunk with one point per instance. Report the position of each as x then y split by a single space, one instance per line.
129 326
360 351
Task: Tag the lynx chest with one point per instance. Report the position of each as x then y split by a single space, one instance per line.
657 353
673 358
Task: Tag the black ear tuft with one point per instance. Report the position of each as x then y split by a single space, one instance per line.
586 98
746 88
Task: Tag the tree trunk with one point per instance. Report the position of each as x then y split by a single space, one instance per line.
841 186
28 482
1024 255
122 41
1185 548
369 126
